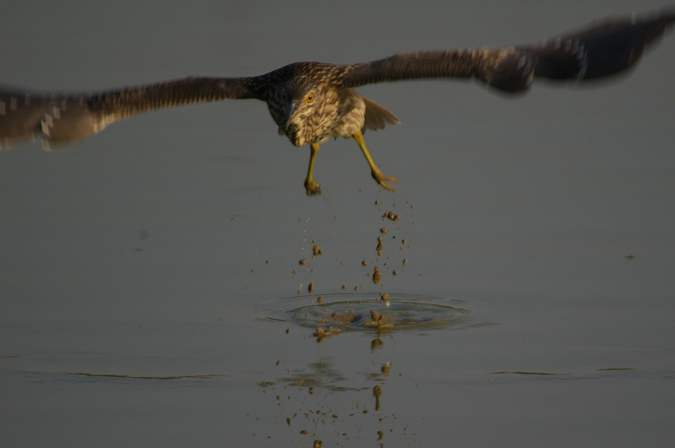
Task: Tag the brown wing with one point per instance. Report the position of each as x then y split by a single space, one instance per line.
603 49
66 118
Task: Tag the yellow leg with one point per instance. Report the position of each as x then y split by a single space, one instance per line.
310 184
378 175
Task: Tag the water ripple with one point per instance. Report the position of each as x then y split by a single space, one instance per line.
361 311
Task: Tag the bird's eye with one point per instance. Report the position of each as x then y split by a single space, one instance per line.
310 98
284 98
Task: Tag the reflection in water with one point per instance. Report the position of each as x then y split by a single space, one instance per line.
135 377
529 373
321 374
377 393
320 400
309 406
376 343
322 333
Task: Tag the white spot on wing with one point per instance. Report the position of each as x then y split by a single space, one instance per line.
530 77
521 62
47 122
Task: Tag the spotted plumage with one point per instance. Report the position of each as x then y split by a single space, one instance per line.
311 101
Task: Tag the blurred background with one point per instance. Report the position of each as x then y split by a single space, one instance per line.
146 273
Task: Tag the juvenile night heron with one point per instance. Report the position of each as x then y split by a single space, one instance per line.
312 101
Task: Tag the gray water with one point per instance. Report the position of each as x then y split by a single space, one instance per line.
146 272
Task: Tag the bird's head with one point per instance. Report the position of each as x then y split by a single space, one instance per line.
298 108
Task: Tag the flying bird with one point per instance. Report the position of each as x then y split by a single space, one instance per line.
313 101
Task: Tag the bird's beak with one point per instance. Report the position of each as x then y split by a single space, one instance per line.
290 112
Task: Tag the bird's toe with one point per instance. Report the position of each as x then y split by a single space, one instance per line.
312 187
382 179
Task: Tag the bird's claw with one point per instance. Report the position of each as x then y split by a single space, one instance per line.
380 177
312 187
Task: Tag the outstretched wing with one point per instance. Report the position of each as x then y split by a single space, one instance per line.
66 118
604 49
601 50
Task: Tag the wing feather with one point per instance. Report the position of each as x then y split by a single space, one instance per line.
604 49
66 118
419 65
601 50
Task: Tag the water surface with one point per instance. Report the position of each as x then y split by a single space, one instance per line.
138 267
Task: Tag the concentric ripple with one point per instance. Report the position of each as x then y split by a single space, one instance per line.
359 312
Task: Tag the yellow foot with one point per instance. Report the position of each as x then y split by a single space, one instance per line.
380 177
312 187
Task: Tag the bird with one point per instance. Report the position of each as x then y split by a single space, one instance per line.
311 102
